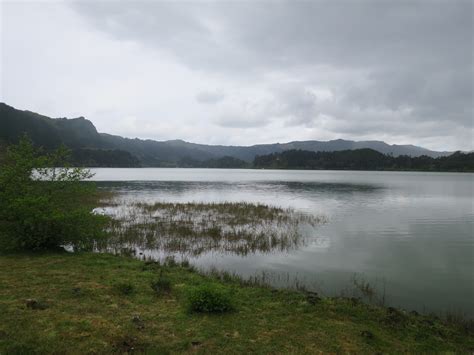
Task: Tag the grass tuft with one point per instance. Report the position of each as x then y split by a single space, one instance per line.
161 286
209 298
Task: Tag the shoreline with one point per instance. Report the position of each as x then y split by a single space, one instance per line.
84 311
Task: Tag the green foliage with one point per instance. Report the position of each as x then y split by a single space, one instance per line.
363 159
104 158
44 204
209 299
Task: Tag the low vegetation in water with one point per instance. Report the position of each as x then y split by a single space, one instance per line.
70 303
195 228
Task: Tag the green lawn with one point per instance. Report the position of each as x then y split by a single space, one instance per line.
85 311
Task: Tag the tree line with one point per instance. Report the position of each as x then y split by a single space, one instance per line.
363 159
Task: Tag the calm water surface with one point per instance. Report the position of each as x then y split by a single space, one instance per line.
408 233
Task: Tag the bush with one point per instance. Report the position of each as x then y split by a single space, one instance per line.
43 206
210 299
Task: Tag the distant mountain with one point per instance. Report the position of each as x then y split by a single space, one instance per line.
96 148
87 145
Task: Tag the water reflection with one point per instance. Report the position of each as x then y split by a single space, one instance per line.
414 230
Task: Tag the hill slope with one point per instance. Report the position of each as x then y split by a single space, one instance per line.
80 133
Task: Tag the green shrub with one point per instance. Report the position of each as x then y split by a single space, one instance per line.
209 299
44 204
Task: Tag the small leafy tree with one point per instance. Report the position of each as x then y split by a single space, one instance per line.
44 204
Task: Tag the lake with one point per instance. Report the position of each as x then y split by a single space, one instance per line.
409 234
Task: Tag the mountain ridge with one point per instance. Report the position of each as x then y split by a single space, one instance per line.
80 133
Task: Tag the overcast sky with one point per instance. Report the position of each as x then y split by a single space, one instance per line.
247 72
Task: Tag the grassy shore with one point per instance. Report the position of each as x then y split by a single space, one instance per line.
96 303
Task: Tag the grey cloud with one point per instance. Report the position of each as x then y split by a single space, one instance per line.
281 34
398 69
232 121
210 97
416 54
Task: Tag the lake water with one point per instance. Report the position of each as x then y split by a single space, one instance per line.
409 234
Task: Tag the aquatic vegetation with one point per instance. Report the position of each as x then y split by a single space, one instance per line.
196 228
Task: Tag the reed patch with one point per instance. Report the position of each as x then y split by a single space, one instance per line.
191 229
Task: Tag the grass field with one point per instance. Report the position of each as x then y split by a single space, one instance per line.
100 303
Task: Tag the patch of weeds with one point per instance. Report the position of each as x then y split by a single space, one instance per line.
162 285
196 228
312 297
461 322
210 299
125 288
395 317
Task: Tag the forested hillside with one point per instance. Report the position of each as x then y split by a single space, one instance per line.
363 159
94 149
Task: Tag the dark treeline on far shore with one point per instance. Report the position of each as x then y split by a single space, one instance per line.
358 159
363 159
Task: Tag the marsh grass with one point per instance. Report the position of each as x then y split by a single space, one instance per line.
359 289
196 228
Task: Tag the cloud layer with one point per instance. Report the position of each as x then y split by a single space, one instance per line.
248 72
